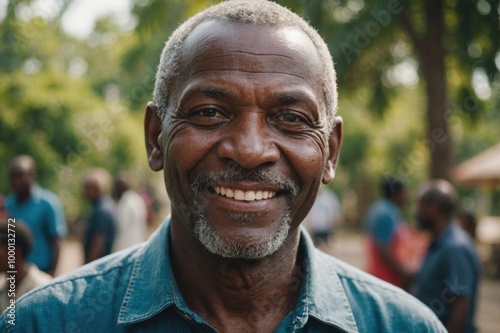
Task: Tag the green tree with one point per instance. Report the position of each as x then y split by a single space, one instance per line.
452 41
60 103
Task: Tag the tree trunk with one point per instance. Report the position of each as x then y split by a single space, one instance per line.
432 57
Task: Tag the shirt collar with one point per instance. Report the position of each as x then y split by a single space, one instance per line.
147 293
325 296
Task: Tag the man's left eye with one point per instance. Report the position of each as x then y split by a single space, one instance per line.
290 117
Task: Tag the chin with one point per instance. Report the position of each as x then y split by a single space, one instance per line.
234 245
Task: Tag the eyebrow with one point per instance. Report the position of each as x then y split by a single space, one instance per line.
295 97
214 92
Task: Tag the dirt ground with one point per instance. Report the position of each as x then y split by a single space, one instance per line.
347 247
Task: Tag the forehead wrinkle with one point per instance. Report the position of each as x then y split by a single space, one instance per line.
245 71
195 58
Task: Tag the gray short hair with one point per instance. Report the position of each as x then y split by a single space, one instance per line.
260 12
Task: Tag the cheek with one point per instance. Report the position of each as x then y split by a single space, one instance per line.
185 151
307 161
307 157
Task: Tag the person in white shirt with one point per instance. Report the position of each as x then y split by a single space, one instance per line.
131 213
324 216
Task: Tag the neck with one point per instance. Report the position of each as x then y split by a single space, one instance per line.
251 295
23 196
440 226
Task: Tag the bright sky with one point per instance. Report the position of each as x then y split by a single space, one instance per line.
81 15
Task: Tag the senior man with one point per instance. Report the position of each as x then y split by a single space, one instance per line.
244 127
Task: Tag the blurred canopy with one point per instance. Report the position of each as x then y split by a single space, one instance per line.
412 75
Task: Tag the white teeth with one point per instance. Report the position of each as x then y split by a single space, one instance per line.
239 195
244 195
249 196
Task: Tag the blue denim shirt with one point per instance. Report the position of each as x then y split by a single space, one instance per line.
135 291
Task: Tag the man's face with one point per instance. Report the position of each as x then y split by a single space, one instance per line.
247 146
424 216
402 197
90 190
21 180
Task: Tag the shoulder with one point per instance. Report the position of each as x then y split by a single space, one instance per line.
80 296
380 209
46 196
10 201
132 195
93 275
106 208
380 306
458 242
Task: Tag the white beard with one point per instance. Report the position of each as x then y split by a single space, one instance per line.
218 245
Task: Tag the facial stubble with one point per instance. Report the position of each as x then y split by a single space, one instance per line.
216 243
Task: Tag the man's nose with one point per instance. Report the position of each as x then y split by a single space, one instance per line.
248 142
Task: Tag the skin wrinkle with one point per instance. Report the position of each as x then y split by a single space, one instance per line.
245 71
286 98
242 52
226 60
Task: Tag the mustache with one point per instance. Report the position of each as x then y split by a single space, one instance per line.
238 174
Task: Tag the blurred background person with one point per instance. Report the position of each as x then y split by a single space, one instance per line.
324 217
467 220
28 276
40 209
3 209
131 213
101 223
381 225
448 279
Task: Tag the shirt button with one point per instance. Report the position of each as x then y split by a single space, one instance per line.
188 317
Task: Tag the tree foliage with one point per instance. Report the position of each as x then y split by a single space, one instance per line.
52 110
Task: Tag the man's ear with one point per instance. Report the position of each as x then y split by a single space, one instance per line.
334 144
152 132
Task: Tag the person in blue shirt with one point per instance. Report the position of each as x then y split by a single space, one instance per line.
244 126
40 209
101 222
382 223
448 279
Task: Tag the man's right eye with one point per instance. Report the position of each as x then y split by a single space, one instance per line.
208 113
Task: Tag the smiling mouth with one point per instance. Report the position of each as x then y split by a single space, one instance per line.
240 195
